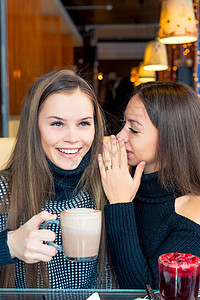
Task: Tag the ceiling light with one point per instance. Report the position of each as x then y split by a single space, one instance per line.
155 56
177 22
146 75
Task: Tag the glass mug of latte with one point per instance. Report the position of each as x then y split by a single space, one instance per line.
81 232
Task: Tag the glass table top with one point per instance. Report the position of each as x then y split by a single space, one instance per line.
48 294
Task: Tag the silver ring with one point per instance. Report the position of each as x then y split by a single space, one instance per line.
108 168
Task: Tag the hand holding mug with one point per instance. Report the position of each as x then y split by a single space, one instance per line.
26 242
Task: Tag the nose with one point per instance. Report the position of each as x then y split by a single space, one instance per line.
71 135
123 134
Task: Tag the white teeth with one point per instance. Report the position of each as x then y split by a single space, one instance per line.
68 151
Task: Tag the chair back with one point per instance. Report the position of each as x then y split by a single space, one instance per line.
6 147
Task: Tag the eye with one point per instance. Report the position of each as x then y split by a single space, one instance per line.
132 130
84 123
57 123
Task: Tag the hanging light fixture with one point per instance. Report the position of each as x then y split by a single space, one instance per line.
145 75
177 22
155 56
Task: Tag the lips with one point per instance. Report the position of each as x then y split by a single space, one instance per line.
129 152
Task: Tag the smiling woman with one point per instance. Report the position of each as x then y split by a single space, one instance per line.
66 126
53 167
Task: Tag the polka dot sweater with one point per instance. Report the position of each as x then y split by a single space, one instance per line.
62 273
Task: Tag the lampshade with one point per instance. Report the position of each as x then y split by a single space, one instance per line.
146 75
155 56
177 22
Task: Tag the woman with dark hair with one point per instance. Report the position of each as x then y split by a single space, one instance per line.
158 210
53 167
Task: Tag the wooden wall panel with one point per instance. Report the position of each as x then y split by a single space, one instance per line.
25 58
35 46
52 43
67 51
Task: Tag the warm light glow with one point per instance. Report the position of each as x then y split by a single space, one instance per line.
178 39
16 73
155 56
177 22
145 75
100 76
146 79
134 74
156 67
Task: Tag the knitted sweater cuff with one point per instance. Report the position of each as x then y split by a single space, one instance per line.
123 210
5 257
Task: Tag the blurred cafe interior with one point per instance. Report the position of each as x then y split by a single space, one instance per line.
114 44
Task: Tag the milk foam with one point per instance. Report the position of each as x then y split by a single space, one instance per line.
81 219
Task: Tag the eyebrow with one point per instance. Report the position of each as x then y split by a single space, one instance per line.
61 119
133 121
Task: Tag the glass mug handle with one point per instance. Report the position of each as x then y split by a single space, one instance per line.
45 225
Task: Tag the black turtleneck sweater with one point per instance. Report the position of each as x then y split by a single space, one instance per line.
62 273
140 231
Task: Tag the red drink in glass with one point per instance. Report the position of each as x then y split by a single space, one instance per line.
178 276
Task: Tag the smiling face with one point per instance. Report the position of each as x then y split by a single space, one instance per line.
140 135
66 124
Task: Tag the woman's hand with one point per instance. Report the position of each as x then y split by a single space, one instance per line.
26 242
117 182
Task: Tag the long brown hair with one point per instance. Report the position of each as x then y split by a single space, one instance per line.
174 109
29 178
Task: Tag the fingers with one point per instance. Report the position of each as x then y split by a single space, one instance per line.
107 155
38 219
33 253
29 246
29 236
123 153
41 257
138 174
114 155
119 154
111 152
35 250
42 235
101 166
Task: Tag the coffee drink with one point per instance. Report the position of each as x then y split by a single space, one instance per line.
81 232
